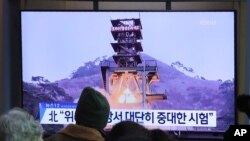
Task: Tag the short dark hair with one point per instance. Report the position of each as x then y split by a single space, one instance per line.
127 129
160 135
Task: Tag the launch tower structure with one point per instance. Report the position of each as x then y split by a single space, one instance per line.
129 76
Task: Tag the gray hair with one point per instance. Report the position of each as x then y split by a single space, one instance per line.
19 125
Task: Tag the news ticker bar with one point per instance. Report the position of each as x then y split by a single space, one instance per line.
63 113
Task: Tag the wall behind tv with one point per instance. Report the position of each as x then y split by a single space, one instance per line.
1 54
9 47
10 63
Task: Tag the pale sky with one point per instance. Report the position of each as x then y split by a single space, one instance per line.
54 44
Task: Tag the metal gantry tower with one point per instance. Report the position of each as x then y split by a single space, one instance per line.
128 77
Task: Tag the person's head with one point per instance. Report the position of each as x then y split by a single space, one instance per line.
134 138
92 109
128 130
243 104
160 135
19 125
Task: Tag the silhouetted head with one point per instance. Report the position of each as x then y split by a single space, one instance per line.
92 109
126 130
243 104
160 135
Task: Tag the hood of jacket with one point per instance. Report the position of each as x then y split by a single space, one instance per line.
82 132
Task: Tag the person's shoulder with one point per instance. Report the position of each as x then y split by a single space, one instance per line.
63 137
55 137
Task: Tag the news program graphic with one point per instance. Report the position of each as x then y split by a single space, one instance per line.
57 113
63 113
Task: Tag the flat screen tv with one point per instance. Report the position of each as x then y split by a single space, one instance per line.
173 70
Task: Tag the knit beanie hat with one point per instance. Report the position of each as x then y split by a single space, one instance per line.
92 109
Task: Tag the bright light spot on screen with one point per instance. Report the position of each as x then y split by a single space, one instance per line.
127 97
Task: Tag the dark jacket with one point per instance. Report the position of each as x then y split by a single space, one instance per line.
76 133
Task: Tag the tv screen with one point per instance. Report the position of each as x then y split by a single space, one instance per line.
169 70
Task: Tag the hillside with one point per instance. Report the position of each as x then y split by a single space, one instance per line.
184 92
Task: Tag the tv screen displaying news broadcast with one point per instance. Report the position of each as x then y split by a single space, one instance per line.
169 70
